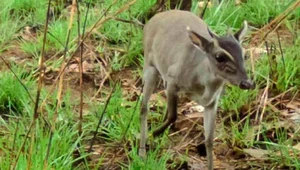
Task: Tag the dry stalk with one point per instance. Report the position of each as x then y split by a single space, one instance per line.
107 75
80 69
263 102
97 25
189 131
101 117
36 106
272 26
60 86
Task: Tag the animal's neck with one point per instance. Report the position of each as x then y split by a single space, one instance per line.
207 74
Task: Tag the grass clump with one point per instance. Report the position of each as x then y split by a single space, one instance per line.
256 12
13 96
64 141
121 122
127 35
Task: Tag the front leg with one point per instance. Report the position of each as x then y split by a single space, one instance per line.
209 128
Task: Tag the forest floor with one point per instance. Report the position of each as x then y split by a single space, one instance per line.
257 129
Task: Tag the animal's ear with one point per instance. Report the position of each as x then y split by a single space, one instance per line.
199 41
240 34
213 35
229 32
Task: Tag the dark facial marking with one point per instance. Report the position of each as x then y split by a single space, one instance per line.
233 47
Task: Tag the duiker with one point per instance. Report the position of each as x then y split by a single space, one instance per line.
190 58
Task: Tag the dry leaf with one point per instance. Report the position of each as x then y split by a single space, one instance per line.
297 146
256 153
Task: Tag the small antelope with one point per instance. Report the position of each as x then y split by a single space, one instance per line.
190 58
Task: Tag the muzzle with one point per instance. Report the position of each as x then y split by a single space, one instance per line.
247 84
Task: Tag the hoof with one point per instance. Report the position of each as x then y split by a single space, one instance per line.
142 153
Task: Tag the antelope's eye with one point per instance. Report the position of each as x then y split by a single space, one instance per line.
221 58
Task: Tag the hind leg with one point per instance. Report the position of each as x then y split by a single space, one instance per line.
171 115
150 82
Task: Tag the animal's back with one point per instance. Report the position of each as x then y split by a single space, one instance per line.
172 26
166 42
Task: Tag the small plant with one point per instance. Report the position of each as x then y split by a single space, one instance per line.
13 96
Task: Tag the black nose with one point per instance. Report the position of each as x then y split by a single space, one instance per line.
247 84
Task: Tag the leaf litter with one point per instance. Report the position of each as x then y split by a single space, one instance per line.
187 133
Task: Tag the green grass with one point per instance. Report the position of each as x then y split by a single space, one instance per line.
64 142
121 120
115 131
242 135
256 12
127 35
281 150
118 116
13 96
16 104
